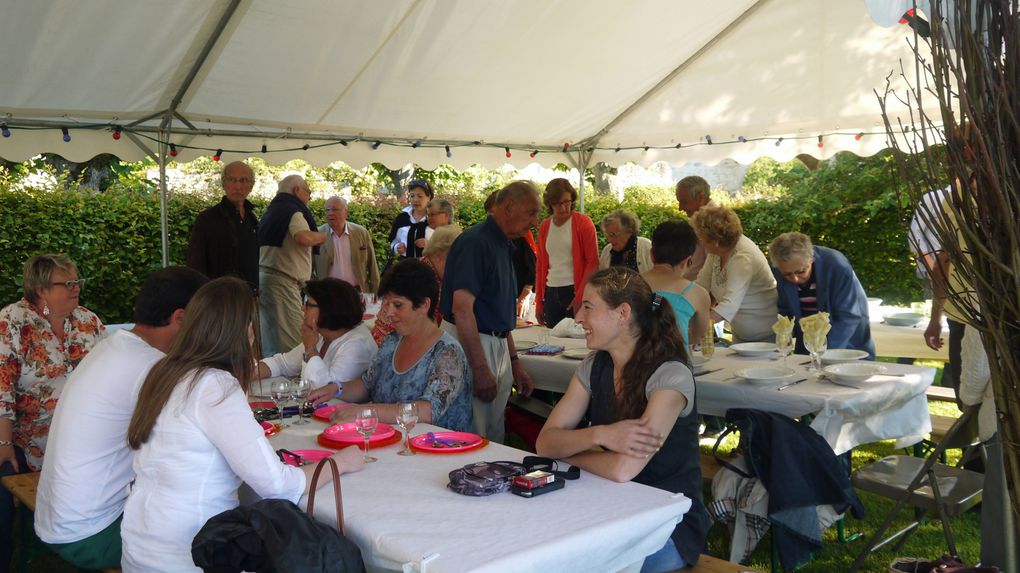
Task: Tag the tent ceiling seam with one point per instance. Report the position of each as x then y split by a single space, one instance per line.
371 59
592 140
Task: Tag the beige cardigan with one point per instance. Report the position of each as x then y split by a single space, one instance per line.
362 256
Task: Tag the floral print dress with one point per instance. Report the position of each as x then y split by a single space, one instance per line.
34 365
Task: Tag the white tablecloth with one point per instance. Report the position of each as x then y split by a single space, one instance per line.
885 407
400 513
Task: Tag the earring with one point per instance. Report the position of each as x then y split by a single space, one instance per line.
45 309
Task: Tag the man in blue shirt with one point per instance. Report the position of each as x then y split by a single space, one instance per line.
814 279
479 299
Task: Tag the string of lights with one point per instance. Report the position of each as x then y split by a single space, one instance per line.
9 126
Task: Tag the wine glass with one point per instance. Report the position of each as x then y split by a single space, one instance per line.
815 346
708 344
280 393
300 389
784 343
366 422
407 417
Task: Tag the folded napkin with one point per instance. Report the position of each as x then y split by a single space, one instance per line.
816 328
545 349
567 328
784 331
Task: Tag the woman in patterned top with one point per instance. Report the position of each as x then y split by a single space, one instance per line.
42 338
418 361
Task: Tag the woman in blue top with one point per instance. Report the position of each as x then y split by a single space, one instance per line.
417 361
673 245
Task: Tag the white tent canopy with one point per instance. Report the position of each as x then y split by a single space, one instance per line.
477 75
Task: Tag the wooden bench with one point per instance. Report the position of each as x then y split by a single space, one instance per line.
940 394
709 564
24 488
940 426
710 467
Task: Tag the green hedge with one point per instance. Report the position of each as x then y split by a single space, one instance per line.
114 237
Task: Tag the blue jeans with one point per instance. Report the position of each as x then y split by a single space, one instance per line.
665 559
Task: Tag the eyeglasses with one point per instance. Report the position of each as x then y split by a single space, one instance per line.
241 180
333 209
435 213
70 284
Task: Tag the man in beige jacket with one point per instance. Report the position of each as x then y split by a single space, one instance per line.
348 253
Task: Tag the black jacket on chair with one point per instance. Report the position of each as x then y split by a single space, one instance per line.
800 471
272 536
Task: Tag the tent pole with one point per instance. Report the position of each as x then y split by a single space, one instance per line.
581 164
164 138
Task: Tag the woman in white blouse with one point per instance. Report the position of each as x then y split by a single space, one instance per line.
736 274
196 437
335 343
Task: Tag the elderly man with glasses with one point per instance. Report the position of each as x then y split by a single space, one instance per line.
223 238
348 253
438 213
288 237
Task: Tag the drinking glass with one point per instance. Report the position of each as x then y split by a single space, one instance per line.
280 393
816 351
366 422
784 343
708 344
407 417
300 388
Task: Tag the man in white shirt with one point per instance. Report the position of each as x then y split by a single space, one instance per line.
87 474
348 253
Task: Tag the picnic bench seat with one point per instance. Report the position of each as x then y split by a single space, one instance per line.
709 564
24 488
941 394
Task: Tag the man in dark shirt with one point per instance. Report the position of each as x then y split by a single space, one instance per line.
223 238
479 303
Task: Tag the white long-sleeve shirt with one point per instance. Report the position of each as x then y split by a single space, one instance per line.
204 444
346 358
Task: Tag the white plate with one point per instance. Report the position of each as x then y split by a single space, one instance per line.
855 371
753 348
576 353
837 355
699 363
522 345
765 374
903 319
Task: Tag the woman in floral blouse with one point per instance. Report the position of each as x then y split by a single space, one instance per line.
42 338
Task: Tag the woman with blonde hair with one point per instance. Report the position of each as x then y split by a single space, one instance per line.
196 437
736 274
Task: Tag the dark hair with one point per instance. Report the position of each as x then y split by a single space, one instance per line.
555 189
413 280
340 305
673 241
653 324
214 334
421 184
164 292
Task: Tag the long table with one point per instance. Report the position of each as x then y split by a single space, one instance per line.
400 513
884 407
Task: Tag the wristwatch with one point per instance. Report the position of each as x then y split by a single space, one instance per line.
514 357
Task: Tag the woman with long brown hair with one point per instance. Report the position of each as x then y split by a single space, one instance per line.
639 391
195 434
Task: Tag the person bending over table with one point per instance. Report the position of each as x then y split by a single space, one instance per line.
673 245
639 394
43 337
814 279
196 437
736 274
335 344
418 361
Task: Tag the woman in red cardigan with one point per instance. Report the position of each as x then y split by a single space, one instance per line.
567 254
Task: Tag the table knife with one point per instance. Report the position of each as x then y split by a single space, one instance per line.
788 384
702 373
